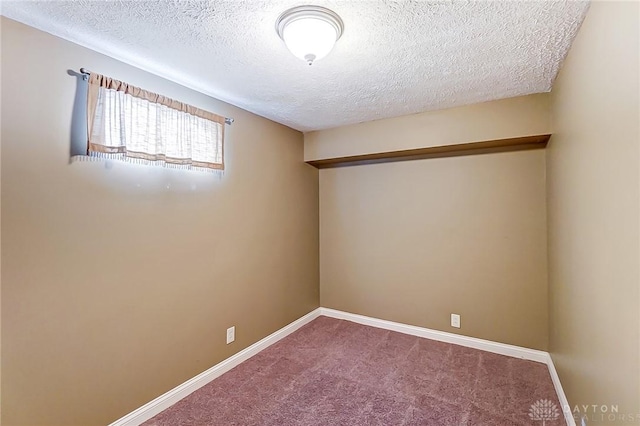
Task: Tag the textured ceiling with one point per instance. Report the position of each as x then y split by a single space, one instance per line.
394 58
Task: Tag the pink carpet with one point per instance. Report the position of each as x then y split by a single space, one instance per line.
333 372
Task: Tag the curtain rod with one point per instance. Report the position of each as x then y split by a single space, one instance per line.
86 73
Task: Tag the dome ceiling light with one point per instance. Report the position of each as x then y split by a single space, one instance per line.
309 31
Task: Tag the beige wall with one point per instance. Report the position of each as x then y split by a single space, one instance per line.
593 213
502 119
418 240
118 282
0 231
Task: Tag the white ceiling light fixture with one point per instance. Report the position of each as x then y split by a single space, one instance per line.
309 32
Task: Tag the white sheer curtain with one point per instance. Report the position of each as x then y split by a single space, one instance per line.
131 124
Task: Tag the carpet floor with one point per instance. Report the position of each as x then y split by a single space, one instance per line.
334 372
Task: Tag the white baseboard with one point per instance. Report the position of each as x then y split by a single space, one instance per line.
564 402
166 400
442 336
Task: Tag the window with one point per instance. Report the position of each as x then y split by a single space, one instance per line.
132 124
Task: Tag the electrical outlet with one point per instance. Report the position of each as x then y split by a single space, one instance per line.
455 320
231 334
